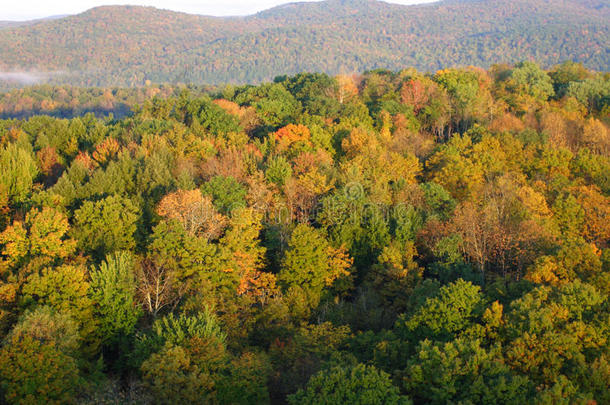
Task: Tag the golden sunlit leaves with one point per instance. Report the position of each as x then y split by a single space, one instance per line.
596 208
596 136
347 88
546 270
195 212
292 134
105 151
42 237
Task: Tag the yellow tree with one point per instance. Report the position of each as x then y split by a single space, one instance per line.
371 162
41 238
454 168
396 273
38 361
346 89
292 135
596 137
194 211
65 289
105 151
596 207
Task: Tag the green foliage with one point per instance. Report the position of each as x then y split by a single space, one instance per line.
48 325
359 384
19 170
593 168
566 73
409 222
116 178
211 117
298 358
189 363
463 87
179 331
449 313
106 226
113 289
309 265
362 227
278 171
154 178
552 331
462 372
593 93
172 377
244 381
530 79
42 241
439 202
176 330
277 107
65 289
37 363
226 192
170 244
311 240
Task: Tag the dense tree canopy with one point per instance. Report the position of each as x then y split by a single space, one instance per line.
383 238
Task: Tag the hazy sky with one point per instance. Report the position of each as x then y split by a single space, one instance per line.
30 9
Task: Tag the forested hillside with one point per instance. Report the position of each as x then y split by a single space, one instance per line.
391 238
126 46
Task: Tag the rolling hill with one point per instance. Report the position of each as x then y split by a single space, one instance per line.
128 45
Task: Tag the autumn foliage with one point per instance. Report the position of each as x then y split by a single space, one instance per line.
389 237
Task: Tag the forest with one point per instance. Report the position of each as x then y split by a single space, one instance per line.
126 46
390 237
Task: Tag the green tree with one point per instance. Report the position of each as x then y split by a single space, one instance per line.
65 289
274 104
296 357
37 363
395 275
174 378
244 380
19 170
112 290
210 117
439 202
565 73
187 355
181 254
528 78
462 371
313 90
182 330
359 385
593 93
278 170
227 194
106 226
465 93
452 311
554 332
311 264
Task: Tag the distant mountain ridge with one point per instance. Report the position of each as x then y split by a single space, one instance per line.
128 45
5 24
